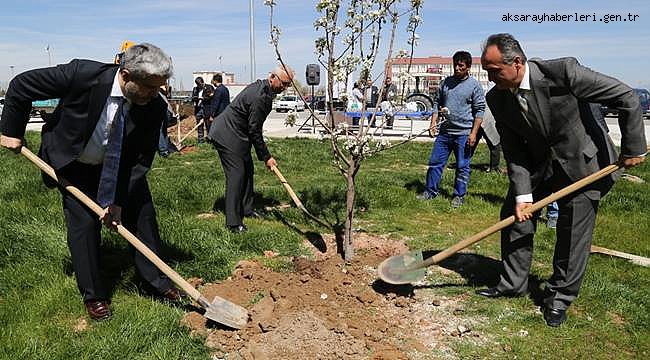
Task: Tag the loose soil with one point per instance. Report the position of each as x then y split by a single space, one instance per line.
326 308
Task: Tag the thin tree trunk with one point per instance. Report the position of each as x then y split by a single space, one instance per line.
348 249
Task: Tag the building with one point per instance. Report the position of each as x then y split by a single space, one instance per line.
228 79
429 71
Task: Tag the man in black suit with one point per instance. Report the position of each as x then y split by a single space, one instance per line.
198 101
550 139
219 100
234 131
101 138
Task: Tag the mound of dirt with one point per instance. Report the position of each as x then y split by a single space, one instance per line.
328 309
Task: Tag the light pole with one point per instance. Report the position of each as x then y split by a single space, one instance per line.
49 55
12 70
252 39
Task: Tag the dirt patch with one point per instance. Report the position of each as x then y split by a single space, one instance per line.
329 309
81 325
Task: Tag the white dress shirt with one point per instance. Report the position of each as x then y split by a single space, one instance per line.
94 151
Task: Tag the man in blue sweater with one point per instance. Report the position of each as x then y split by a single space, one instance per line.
461 97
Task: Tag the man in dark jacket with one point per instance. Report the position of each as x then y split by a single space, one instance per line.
101 138
198 100
550 139
220 99
233 133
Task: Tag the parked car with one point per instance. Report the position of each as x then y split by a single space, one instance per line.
289 102
644 100
317 103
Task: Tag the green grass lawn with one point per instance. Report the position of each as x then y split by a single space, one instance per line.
40 305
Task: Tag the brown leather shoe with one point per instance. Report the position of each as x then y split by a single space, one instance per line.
173 295
98 309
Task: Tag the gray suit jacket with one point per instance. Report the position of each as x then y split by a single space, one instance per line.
565 128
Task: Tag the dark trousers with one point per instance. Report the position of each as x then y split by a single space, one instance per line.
199 129
84 231
238 169
495 150
575 225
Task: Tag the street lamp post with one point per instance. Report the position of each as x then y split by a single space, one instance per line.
12 70
252 39
49 55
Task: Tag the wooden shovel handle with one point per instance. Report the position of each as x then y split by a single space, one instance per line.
190 132
286 185
511 219
173 275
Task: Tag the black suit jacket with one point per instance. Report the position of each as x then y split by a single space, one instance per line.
220 100
240 124
83 86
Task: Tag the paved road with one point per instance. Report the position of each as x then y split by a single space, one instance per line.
275 127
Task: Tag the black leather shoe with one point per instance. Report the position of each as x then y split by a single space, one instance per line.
238 229
494 293
554 317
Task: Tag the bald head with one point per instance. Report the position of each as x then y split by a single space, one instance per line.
281 78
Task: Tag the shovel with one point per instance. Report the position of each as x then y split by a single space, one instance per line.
410 267
219 310
295 198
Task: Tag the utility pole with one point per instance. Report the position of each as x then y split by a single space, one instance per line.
49 55
252 39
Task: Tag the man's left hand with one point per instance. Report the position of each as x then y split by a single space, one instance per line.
630 162
471 139
112 216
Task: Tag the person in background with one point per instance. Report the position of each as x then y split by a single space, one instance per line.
165 146
355 102
462 95
371 95
489 131
197 100
387 99
220 99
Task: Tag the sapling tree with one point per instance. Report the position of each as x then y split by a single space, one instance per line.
350 42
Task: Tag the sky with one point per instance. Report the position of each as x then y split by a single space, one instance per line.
195 33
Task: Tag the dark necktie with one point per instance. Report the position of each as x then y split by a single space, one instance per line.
108 178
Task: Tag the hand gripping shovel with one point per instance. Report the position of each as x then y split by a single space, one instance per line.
220 310
295 198
410 267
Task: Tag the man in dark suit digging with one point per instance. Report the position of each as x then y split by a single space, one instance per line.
101 138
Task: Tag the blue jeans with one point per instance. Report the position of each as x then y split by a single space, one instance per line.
443 146
552 210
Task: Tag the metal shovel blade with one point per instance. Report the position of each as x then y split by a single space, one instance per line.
402 269
225 312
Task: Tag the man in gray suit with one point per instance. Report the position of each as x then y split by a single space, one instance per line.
550 140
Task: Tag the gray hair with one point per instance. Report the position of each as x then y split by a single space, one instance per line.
146 60
508 47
